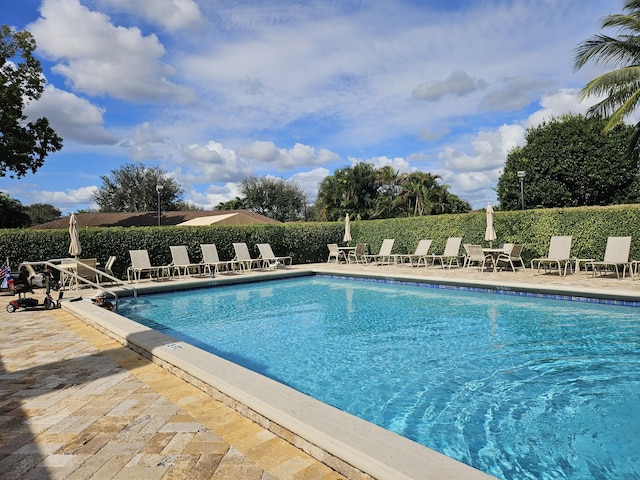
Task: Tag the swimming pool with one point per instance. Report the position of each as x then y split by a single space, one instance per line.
517 387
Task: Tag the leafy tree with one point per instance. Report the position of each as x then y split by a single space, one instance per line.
187 206
132 188
570 162
235 204
12 213
371 193
42 213
23 145
274 198
619 87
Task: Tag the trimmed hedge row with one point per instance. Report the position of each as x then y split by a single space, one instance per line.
307 242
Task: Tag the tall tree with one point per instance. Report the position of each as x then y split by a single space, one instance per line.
12 213
23 144
370 193
274 198
621 86
570 162
133 188
42 213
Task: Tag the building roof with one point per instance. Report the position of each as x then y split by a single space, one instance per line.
150 219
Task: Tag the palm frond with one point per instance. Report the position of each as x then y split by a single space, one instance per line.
604 50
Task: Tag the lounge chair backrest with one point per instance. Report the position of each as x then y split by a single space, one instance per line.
452 247
560 247
516 251
140 259
209 253
423 247
385 248
475 252
179 255
85 272
242 251
109 265
266 251
617 250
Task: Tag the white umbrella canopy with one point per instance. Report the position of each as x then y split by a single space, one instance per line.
490 232
347 230
75 249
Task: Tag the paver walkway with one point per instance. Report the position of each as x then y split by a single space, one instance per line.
75 404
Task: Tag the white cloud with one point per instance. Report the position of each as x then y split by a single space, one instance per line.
266 153
514 94
399 164
310 181
173 15
99 58
212 163
72 117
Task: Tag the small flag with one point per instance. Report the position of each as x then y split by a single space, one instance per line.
5 275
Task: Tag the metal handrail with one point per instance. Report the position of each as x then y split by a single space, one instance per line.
101 273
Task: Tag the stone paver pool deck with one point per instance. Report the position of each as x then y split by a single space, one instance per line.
76 404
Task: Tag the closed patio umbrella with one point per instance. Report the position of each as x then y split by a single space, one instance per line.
347 230
75 249
490 232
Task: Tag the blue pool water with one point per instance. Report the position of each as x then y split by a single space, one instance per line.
521 388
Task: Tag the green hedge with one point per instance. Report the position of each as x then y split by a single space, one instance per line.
307 242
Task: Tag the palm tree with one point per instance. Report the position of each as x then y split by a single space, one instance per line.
621 86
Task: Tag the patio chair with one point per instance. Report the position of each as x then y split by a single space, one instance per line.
335 252
243 258
559 255
86 269
420 254
108 268
476 255
358 254
270 259
211 263
511 258
451 252
383 257
616 254
181 263
140 264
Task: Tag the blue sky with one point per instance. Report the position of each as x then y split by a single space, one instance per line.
213 91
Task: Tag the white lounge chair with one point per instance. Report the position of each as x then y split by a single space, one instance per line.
513 257
616 254
243 258
477 256
384 255
358 254
211 262
181 263
420 254
270 259
559 255
140 264
451 252
335 252
108 267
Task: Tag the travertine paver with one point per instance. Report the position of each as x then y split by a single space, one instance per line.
75 404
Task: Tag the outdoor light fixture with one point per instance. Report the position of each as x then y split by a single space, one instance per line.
158 189
521 175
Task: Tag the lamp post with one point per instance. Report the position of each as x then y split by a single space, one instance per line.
158 189
521 175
